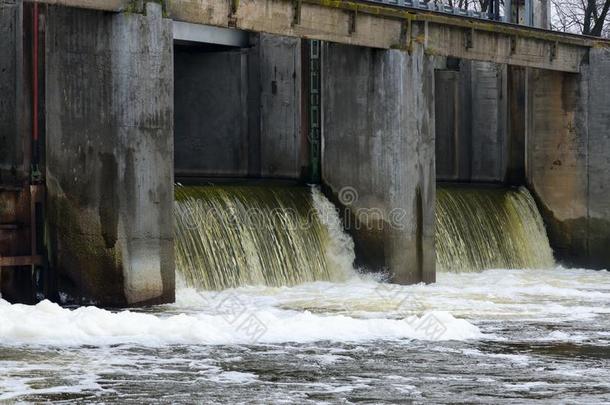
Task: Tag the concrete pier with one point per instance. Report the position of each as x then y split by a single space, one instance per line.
378 155
109 155
567 164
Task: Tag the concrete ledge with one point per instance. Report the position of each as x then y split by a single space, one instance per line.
187 32
380 26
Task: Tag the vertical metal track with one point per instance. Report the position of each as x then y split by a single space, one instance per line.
314 111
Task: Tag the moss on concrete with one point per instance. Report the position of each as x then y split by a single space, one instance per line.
579 242
87 270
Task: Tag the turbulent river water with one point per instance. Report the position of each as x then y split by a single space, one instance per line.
497 336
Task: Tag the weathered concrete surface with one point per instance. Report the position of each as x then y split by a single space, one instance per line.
206 34
16 283
557 159
386 27
598 122
542 14
378 155
14 151
238 111
380 26
471 121
280 114
568 161
110 155
211 128
102 5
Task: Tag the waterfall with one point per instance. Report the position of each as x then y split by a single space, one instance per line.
230 236
485 228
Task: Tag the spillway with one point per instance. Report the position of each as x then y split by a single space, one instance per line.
485 228
231 236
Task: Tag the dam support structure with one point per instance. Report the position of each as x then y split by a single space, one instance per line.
109 155
378 155
568 167
546 130
119 103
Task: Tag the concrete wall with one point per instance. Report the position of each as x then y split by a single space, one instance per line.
568 166
110 155
280 107
238 111
13 95
211 126
378 155
557 159
471 129
598 120
16 283
384 26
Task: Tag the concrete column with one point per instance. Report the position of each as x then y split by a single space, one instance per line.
598 122
14 118
542 14
16 283
110 155
378 155
539 15
568 163
557 159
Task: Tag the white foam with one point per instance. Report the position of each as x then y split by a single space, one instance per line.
340 246
48 323
360 309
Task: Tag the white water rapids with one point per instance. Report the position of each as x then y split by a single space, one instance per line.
504 334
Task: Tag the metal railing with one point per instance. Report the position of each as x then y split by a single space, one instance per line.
494 12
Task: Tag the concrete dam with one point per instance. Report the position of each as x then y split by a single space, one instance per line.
139 139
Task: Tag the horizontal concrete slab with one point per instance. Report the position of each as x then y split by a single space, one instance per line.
380 25
208 34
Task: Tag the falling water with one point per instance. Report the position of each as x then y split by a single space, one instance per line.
485 228
230 236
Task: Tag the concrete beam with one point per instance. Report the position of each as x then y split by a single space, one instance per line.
380 26
101 5
187 32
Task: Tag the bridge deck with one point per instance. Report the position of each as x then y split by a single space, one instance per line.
381 24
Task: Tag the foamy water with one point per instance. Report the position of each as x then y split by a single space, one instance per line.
497 334
491 337
358 310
